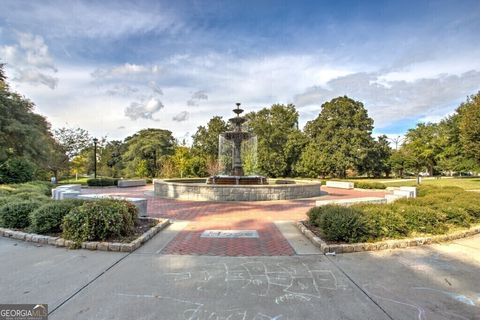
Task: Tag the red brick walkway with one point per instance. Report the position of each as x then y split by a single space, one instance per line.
257 215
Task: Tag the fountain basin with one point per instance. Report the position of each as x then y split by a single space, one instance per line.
199 190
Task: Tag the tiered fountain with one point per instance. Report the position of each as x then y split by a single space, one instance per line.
237 152
236 137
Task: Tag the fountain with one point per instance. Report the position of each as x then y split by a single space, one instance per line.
237 182
235 174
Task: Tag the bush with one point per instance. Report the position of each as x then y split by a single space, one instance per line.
48 218
383 221
340 223
314 214
370 185
102 182
99 220
15 214
422 219
16 170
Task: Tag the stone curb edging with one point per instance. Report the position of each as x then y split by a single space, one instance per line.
90 245
382 245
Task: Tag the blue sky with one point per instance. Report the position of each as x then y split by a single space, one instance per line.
114 67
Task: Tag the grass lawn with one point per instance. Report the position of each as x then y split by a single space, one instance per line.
81 180
464 183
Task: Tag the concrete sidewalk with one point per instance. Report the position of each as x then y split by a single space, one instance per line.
434 282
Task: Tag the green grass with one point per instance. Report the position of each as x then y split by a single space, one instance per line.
81 180
464 183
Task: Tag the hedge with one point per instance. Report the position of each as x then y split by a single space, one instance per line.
369 185
15 214
48 218
436 210
99 220
102 182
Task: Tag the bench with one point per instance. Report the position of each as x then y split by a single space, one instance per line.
66 191
131 183
140 203
339 184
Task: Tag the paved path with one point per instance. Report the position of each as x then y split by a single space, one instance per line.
439 282
256 215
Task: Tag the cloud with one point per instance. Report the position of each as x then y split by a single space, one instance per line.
390 101
105 19
200 95
122 90
35 77
124 70
30 60
143 110
182 116
196 96
155 88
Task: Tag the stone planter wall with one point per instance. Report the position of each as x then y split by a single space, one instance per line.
90 245
383 245
174 189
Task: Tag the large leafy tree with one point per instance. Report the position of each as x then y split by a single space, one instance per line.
423 146
145 149
339 139
280 142
469 126
205 140
23 133
377 158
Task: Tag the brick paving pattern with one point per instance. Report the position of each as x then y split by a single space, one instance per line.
257 215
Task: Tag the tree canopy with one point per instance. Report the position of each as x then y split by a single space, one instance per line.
339 139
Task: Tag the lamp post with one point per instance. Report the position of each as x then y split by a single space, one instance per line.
95 140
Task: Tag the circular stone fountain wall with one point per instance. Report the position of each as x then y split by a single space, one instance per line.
198 190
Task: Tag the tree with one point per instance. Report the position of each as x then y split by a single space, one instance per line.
72 140
205 140
280 142
377 158
145 149
423 146
23 133
339 139
469 125
110 161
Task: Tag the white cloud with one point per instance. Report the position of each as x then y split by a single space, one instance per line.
156 89
30 60
103 19
125 70
390 101
182 116
143 110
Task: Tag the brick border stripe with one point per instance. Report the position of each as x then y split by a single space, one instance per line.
90 245
382 245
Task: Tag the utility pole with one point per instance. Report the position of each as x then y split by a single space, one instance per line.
95 140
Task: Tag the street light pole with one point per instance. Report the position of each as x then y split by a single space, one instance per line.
95 140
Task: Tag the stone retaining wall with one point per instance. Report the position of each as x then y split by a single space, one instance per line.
90 245
382 245
202 192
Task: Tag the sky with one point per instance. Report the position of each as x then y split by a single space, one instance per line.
115 67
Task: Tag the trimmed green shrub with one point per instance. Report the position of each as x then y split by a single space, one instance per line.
15 214
98 220
313 215
369 185
16 170
422 219
102 182
48 218
383 221
340 223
